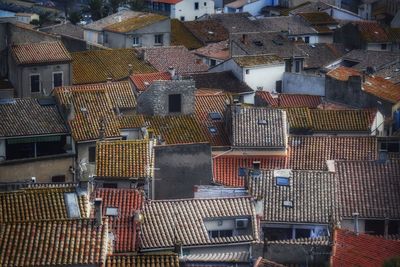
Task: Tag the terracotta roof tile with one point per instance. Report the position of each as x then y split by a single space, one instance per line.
131 121
35 53
143 260
218 50
100 24
38 204
143 80
312 152
127 201
289 100
361 250
266 263
53 243
318 18
177 57
168 220
371 31
222 258
207 31
299 119
369 188
96 66
180 35
250 61
226 168
212 104
21 117
224 80
123 159
135 23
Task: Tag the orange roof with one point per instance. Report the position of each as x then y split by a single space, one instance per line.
362 250
142 81
34 53
374 85
289 100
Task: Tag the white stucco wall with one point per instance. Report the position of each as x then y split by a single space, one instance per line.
378 47
186 9
91 36
264 76
255 8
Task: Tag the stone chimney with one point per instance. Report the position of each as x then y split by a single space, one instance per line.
98 206
244 38
172 72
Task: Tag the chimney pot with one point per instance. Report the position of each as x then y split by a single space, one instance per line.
172 72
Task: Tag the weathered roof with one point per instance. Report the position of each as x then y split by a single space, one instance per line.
318 55
312 195
368 58
251 61
127 202
236 22
260 262
207 31
39 53
226 168
131 121
258 127
143 80
211 104
100 24
218 50
53 243
135 23
317 18
309 7
123 159
291 24
26 116
177 57
288 100
143 260
96 66
366 250
39 204
227 257
168 220
180 35
369 188
224 80
312 152
67 29
371 31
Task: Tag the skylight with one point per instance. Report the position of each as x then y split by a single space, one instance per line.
282 181
262 122
215 116
212 129
288 203
111 211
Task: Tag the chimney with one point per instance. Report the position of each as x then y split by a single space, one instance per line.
244 38
141 54
172 72
130 69
102 129
386 231
70 111
98 211
356 226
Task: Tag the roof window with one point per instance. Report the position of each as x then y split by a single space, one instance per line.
215 116
282 181
262 122
111 211
212 129
288 203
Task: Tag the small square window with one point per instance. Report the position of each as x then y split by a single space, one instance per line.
35 83
92 154
383 46
247 71
215 116
307 40
174 103
111 211
256 165
57 79
182 18
205 3
196 5
282 181
158 39
135 41
288 203
212 129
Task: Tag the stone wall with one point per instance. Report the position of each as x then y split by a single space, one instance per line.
297 83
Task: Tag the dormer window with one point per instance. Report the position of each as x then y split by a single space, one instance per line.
282 181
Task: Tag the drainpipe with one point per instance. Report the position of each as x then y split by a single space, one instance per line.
356 226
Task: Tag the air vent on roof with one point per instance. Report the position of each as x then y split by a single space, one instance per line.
282 181
7 101
215 116
46 101
288 203
258 43
210 32
241 223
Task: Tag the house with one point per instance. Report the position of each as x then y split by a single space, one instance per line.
142 260
235 22
368 35
184 10
35 69
35 143
322 22
207 31
180 35
253 7
331 8
99 66
371 210
127 28
26 17
141 82
71 35
176 57
197 227
266 99
124 163
214 53
344 84
365 249
253 69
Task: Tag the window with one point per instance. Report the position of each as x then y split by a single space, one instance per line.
195 17
196 5
288 65
212 129
213 62
220 233
297 66
205 3
92 154
282 181
215 116
158 39
278 233
111 211
110 185
278 86
302 233
383 46
182 18
307 39
35 83
174 103
247 71
58 179
256 165
105 38
135 41
20 148
57 79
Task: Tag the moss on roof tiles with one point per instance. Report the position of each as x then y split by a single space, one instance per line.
180 35
249 61
135 23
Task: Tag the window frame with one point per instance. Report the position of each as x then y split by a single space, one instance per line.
90 153
307 39
52 78
156 36
30 82
169 103
134 43
196 5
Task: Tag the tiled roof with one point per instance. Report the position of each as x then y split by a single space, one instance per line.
366 58
340 120
53 243
38 204
21 117
258 127
92 110
260 262
127 201
135 23
250 61
310 7
177 129
180 35
371 31
123 159
177 57
236 22
218 50
100 24
35 53
143 80
226 168
374 85
318 55
67 29
312 195
299 119
369 188
318 18
361 250
171 2
291 24
207 31
131 121
166 221
143 260
206 104
96 66
224 80
231 257
289 100
312 152
313 241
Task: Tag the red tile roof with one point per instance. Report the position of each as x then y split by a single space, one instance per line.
361 250
289 100
171 2
127 201
143 80
34 53
226 168
371 31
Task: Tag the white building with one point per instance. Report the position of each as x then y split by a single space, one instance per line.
184 10
26 17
